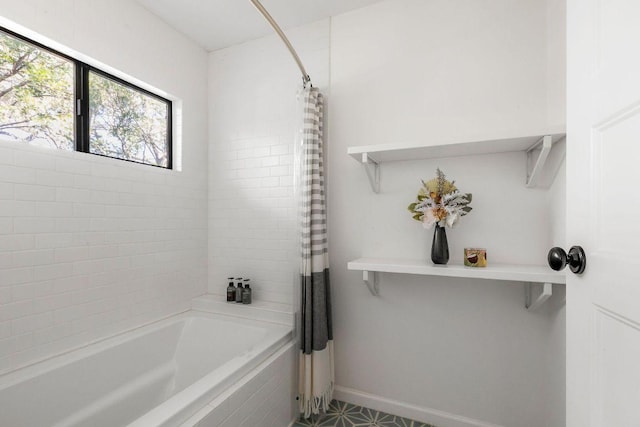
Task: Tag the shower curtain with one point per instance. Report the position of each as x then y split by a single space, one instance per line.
316 335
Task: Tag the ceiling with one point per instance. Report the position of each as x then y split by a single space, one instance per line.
215 24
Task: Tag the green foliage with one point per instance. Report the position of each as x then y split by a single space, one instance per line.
36 94
126 123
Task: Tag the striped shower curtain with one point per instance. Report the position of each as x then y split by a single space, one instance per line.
316 356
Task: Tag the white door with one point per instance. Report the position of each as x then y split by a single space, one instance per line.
603 212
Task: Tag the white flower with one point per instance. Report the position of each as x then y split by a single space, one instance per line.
452 219
428 219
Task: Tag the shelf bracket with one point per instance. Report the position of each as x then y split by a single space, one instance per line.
373 172
546 143
370 279
547 290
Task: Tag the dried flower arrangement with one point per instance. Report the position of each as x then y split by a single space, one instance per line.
440 202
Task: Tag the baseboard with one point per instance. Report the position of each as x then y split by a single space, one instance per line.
417 413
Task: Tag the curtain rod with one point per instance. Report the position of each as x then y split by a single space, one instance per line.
305 77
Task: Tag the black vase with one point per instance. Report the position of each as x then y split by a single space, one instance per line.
439 246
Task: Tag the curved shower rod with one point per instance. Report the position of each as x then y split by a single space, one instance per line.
305 77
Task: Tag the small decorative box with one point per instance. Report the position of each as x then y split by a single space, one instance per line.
475 257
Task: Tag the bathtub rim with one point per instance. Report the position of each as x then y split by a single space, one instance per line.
59 360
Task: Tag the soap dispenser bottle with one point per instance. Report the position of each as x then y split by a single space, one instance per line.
246 292
239 290
231 290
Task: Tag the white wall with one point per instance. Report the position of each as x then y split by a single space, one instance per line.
253 123
556 346
401 70
91 246
556 201
404 70
432 71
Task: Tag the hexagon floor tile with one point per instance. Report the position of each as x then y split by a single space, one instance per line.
342 414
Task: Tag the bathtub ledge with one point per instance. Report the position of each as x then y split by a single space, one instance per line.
259 310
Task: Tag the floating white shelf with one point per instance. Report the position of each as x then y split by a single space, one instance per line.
529 274
371 156
519 273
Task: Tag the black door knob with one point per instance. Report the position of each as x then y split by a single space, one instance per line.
576 258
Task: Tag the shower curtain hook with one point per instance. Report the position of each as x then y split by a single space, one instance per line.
306 79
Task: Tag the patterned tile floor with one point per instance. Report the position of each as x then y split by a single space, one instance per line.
341 414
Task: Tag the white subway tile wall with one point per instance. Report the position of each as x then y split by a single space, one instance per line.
253 120
91 246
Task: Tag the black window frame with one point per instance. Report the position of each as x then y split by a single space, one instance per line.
81 101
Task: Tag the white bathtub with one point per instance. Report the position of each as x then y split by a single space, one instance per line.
157 375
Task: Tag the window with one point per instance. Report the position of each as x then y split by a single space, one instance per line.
49 99
126 123
36 94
